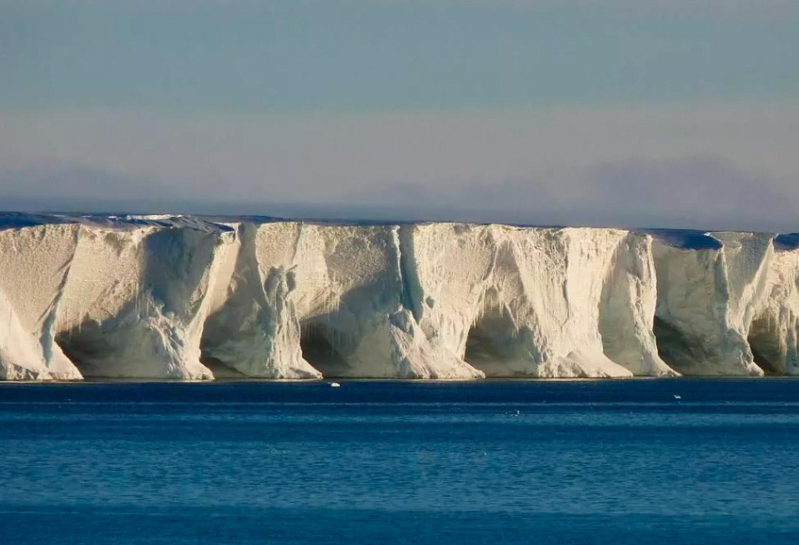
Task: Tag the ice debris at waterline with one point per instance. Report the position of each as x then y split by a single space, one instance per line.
188 298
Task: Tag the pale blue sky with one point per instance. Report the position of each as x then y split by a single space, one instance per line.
90 86
357 55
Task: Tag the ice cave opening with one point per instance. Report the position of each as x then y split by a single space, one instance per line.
220 369
685 355
766 347
318 349
84 347
494 347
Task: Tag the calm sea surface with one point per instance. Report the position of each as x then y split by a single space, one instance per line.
621 462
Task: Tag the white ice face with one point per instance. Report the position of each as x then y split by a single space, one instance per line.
189 299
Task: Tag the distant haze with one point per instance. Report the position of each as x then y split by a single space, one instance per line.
647 113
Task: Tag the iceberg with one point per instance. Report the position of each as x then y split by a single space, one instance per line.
177 297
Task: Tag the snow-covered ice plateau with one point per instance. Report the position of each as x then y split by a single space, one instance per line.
193 298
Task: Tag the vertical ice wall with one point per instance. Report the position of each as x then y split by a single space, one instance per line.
627 309
134 301
312 299
34 261
253 328
527 302
774 333
182 298
709 289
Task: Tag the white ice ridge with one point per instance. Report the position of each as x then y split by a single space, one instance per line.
185 298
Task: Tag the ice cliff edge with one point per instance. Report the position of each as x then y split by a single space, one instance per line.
190 298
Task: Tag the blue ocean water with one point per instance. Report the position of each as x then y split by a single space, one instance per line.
623 462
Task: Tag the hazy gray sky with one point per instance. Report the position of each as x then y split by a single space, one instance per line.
619 112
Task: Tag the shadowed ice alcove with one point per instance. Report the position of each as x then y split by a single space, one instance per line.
768 351
320 352
494 344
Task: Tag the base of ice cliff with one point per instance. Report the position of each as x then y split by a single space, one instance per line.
185 298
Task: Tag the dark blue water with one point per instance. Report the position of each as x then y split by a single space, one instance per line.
622 462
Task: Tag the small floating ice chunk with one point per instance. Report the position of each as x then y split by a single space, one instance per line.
335 385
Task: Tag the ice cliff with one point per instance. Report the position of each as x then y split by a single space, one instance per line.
178 297
535 302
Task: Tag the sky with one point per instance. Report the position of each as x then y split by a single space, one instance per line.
630 113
